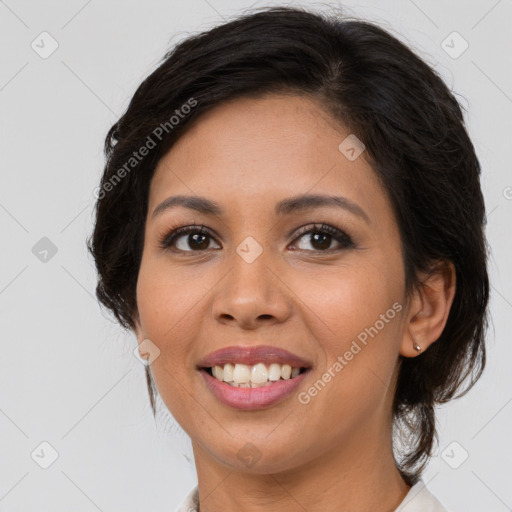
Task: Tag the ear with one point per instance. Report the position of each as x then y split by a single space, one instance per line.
429 308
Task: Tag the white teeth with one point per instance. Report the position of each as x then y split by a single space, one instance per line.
241 373
274 372
258 375
228 373
286 371
218 372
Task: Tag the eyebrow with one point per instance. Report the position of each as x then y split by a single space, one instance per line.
284 207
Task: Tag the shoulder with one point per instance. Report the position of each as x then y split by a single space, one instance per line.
420 499
191 501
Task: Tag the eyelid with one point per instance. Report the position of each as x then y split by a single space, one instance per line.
167 239
172 233
338 234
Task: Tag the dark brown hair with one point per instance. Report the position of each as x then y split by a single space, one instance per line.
416 141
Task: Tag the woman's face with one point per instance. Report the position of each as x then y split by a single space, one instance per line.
257 276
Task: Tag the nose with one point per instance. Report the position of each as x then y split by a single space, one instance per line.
251 295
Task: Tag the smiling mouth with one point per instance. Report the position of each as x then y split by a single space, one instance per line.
254 376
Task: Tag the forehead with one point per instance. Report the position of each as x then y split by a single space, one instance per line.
263 149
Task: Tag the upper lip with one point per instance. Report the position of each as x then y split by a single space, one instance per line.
251 355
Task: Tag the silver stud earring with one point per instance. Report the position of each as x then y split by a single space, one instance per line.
416 347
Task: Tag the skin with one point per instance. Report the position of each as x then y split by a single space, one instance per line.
248 154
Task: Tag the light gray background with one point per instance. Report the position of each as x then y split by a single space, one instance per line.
67 373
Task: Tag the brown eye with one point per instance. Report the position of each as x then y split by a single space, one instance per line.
187 239
320 237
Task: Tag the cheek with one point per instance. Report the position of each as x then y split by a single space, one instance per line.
166 311
347 299
167 294
355 315
166 307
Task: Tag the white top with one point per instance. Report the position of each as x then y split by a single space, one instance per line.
418 499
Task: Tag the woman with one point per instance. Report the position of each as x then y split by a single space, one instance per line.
291 222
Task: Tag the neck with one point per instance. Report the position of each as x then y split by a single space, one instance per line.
359 476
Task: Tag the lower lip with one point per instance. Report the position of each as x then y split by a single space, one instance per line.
252 398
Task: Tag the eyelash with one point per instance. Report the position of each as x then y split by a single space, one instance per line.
339 236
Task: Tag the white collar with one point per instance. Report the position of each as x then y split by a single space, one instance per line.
418 499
